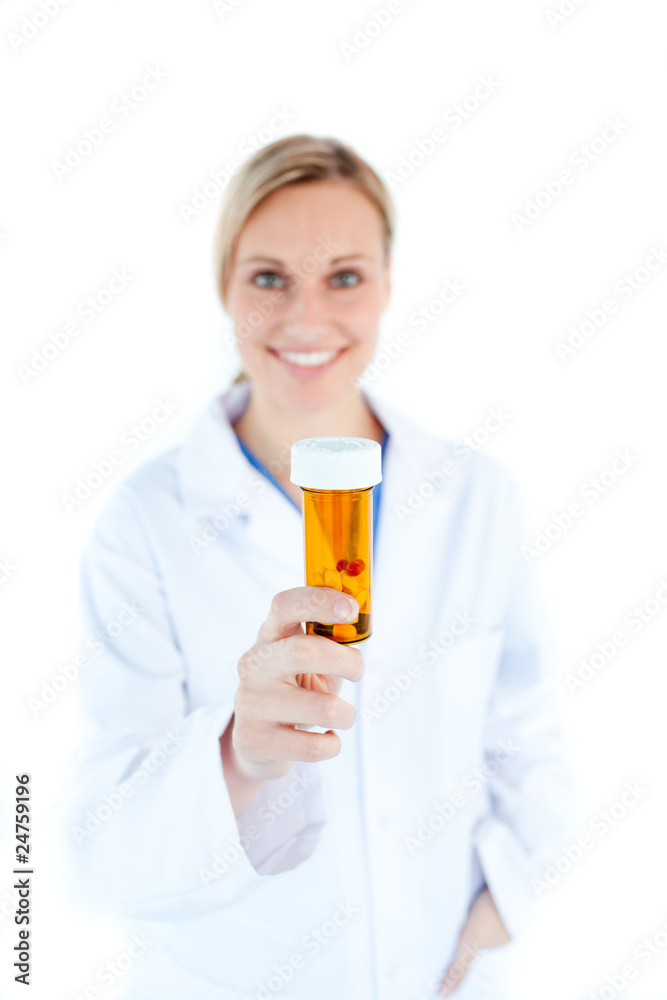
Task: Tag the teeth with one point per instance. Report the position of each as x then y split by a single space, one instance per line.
308 359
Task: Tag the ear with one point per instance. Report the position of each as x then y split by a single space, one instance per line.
387 279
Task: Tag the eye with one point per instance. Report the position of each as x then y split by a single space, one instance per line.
356 278
270 283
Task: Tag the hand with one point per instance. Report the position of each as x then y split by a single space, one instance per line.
483 928
289 679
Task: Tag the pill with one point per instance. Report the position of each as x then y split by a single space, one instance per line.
344 632
332 579
362 598
355 567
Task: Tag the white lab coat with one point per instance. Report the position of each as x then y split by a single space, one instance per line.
345 879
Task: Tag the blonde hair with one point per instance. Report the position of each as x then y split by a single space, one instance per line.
294 159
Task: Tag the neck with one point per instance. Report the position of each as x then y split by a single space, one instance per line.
269 431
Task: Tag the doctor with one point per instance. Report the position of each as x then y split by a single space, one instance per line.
387 853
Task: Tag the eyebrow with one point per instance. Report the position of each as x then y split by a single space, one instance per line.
336 260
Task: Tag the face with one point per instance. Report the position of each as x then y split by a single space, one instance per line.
309 284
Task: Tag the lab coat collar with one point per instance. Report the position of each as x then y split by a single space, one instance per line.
214 472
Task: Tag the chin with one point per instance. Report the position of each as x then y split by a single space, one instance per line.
312 396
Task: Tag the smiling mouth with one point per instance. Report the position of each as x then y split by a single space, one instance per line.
308 359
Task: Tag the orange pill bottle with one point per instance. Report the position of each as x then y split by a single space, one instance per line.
337 476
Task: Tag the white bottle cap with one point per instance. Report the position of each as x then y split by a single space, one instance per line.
336 463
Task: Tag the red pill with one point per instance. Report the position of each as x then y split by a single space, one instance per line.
341 565
355 567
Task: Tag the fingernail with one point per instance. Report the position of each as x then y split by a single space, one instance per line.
344 609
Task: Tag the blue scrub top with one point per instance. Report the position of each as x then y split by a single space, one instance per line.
252 458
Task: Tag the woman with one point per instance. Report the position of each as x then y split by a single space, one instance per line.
288 815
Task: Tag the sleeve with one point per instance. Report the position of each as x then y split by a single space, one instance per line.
533 794
151 832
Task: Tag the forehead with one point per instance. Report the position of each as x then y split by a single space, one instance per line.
292 220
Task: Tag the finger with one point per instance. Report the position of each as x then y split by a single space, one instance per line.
263 745
290 608
317 656
291 705
295 655
312 708
484 922
466 952
319 682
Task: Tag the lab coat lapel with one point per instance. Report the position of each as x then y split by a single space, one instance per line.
217 480
276 526
405 569
213 471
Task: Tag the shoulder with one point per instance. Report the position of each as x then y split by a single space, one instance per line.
136 504
151 496
483 499
441 458
468 490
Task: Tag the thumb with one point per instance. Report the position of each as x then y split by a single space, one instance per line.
466 952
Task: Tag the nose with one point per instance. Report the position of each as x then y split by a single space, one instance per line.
306 315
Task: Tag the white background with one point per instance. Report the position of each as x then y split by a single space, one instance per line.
121 207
